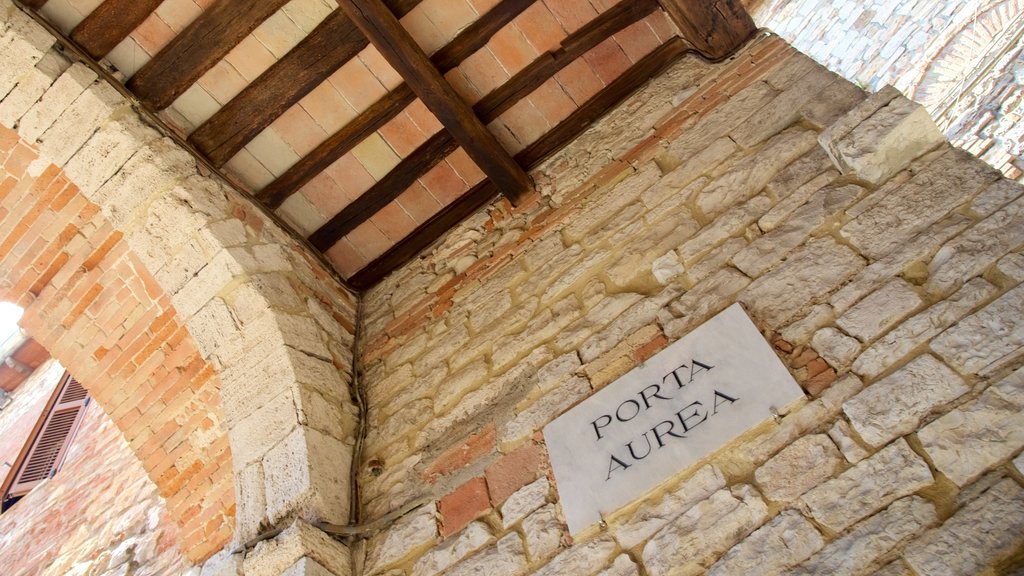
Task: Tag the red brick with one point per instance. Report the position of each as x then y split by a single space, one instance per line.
461 455
467 503
513 472
803 358
816 366
820 382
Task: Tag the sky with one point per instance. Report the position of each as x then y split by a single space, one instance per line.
9 316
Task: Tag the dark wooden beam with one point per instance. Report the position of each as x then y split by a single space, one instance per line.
110 23
568 129
387 189
616 18
383 111
197 48
716 28
406 57
424 235
317 56
35 4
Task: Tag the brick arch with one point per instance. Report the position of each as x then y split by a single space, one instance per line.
90 300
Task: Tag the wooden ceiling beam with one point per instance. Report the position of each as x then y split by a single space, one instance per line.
406 57
610 22
34 4
716 28
335 41
384 110
424 235
387 189
198 48
110 23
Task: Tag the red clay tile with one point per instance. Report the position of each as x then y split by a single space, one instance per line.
350 175
525 121
541 28
482 6
328 107
423 118
465 167
443 183
463 87
662 25
552 102
369 241
484 71
637 40
251 58
423 30
511 49
419 203
403 135
579 80
572 14
345 258
376 156
394 221
449 16
462 506
297 128
380 67
223 82
178 14
608 60
153 34
357 84
325 193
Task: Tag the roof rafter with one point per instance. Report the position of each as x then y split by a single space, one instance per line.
716 28
110 23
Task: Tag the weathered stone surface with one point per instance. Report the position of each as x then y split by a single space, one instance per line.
677 182
1012 266
798 181
995 197
988 338
876 141
622 566
981 532
705 300
543 532
504 558
273 557
800 331
583 560
842 435
859 548
970 253
895 568
716 124
919 329
785 108
966 442
832 103
651 517
690 542
880 310
807 275
769 249
784 542
1018 463
415 531
836 348
932 193
892 473
751 175
799 467
525 500
437 560
897 404
723 227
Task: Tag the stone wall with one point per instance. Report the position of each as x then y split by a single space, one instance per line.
961 59
882 265
100 514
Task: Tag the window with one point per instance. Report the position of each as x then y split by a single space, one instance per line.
48 444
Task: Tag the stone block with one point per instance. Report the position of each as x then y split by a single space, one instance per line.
441 557
623 566
300 540
856 551
880 136
543 533
252 435
809 274
836 348
894 472
723 227
980 533
987 339
543 410
32 84
784 110
880 310
55 101
688 544
80 121
799 467
524 501
780 544
307 474
507 557
968 441
581 559
223 564
651 517
900 402
416 531
842 435
307 567
917 330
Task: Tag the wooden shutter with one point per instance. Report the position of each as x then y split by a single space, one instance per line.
49 446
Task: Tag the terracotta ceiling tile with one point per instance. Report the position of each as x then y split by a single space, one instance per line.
178 14
572 14
298 129
298 211
608 60
153 34
368 240
463 87
637 40
279 34
376 156
443 183
195 106
419 203
423 30
525 122
511 49
380 67
307 14
423 118
482 6
357 84
552 102
465 167
324 193
662 25
403 135
350 176
328 107
579 80
540 27
223 82
272 151
484 71
505 137
449 16
129 56
251 58
249 170
345 258
394 221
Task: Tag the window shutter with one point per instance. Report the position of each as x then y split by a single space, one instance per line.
50 445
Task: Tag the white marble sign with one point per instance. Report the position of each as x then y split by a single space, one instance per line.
682 404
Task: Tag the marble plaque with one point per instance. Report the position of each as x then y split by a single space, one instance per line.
687 401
